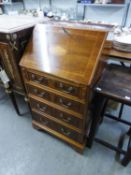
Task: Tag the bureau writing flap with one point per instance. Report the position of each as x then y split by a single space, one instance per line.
67 52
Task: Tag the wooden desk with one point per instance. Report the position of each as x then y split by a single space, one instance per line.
59 66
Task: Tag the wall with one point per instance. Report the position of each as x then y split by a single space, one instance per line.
14 7
63 4
113 15
42 4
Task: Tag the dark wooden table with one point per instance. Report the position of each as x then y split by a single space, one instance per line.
115 84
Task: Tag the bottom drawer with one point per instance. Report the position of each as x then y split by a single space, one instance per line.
59 128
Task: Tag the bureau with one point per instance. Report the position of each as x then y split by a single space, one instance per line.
59 67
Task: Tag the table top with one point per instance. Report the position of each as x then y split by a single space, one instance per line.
115 82
14 23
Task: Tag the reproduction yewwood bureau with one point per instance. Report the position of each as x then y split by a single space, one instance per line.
59 67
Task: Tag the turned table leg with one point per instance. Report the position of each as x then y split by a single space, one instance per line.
127 157
13 100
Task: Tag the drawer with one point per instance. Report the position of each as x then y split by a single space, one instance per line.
60 100
69 133
68 118
61 86
57 114
67 88
44 108
38 92
69 104
38 79
59 128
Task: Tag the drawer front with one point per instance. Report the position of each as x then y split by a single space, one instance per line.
40 93
68 118
67 88
62 101
60 115
58 85
69 104
59 128
69 133
44 108
38 79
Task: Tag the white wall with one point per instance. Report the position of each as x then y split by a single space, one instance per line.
104 14
63 4
14 7
107 14
36 4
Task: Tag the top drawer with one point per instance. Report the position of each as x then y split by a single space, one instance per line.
38 79
59 85
67 88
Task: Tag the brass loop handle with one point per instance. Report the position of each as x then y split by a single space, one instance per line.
35 91
68 119
43 108
67 90
40 79
65 132
67 105
42 94
45 122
